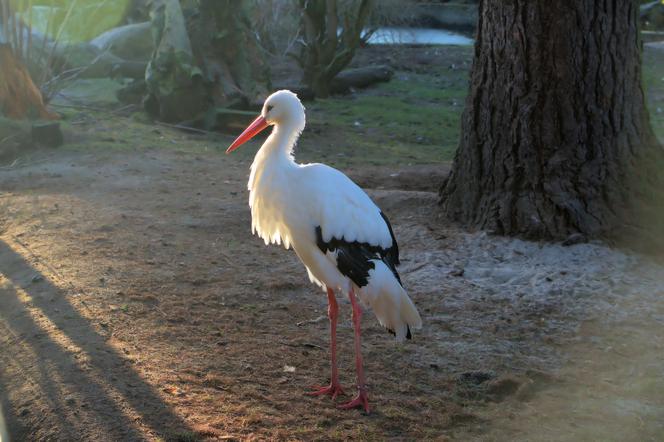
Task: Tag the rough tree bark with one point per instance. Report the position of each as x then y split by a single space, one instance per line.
556 137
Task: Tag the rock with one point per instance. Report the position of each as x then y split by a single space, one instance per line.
575 238
95 63
360 78
131 42
47 134
88 58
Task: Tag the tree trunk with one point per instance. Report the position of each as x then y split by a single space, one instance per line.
229 53
174 83
206 57
331 35
556 137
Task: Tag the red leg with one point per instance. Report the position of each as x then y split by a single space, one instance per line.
361 400
334 389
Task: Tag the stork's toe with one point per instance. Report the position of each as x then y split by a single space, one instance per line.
334 390
359 401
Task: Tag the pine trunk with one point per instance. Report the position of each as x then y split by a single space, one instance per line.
556 137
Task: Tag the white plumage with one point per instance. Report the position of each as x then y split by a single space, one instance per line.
339 234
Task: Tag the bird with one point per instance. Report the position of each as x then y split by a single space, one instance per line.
344 240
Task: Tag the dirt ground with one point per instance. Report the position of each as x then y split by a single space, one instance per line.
137 305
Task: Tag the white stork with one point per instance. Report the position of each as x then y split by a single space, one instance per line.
342 237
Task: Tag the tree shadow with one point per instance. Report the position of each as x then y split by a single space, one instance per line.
69 379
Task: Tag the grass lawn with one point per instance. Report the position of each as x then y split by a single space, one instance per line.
412 119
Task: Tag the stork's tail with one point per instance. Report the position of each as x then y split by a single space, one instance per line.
390 302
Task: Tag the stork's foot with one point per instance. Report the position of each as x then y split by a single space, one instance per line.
359 401
334 390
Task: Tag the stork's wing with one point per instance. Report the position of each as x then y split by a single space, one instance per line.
343 210
350 224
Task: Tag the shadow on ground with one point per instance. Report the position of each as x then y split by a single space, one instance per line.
57 365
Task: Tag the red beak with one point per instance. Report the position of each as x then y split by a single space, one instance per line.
254 128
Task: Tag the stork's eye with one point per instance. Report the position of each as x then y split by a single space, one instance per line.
269 108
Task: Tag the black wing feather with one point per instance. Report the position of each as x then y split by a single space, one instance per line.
392 252
354 259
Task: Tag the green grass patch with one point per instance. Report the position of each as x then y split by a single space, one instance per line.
414 118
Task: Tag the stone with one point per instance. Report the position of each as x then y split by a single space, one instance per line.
131 42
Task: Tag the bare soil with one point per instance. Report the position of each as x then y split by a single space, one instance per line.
135 304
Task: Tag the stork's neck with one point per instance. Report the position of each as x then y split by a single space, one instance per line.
280 144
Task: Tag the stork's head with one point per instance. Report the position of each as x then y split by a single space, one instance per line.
282 109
